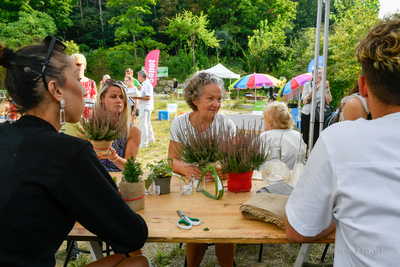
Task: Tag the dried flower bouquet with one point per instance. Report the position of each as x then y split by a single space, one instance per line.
101 128
200 146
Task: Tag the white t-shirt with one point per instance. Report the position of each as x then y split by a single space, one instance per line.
131 90
147 90
290 144
353 177
182 121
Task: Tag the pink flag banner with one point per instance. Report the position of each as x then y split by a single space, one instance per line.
151 65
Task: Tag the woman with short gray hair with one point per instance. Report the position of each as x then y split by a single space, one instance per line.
203 94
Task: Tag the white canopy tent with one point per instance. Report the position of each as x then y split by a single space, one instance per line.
222 72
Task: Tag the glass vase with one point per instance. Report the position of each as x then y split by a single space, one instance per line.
275 170
297 170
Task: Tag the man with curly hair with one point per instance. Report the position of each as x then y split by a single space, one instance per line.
352 178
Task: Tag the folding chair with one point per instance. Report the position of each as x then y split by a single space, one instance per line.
172 108
296 117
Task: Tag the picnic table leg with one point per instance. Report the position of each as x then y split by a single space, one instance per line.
95 250
304 252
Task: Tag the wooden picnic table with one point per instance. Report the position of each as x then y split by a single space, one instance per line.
221 217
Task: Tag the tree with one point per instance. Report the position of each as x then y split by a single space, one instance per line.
267 45
130 22
59 10
352 24
241 17
224 38
191 28
31 28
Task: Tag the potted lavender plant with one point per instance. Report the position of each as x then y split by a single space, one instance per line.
240 156
101 128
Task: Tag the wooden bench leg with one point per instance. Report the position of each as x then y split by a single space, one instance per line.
95 250
304 252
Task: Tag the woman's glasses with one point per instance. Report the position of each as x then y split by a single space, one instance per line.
115 83
51 41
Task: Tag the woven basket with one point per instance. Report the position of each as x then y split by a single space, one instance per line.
102 148
133 194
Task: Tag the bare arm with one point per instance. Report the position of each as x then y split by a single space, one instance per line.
307 98
328 95
294 236
135 108
179 166
354 109
132 148
146 98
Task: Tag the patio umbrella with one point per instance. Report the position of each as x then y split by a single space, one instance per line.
296 82
291 87
254 81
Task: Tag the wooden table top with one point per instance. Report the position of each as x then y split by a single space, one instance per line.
222 218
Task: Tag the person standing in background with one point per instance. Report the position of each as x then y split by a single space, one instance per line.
176 85
88 84
133 102
146 106
129 72
105 78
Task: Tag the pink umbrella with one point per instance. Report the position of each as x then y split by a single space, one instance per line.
290 88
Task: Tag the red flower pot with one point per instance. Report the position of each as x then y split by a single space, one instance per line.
240 182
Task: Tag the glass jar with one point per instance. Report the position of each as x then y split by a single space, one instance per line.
275 170
297 170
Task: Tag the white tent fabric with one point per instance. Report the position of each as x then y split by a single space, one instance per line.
222 72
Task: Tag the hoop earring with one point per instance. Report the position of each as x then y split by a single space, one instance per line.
62 112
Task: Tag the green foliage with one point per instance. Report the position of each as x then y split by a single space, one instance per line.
132 171
159 169
267 46
101 125
58 10
191 28
350 26
72 47
30 28
130 24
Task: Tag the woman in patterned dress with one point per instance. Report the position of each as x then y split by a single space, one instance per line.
113 96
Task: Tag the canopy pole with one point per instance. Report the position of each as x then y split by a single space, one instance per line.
324 65
315 77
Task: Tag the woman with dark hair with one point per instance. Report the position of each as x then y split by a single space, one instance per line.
50 180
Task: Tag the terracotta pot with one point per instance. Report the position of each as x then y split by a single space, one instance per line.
240 182
102 148
133 194
163 185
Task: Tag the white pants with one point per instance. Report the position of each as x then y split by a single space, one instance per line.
145 126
